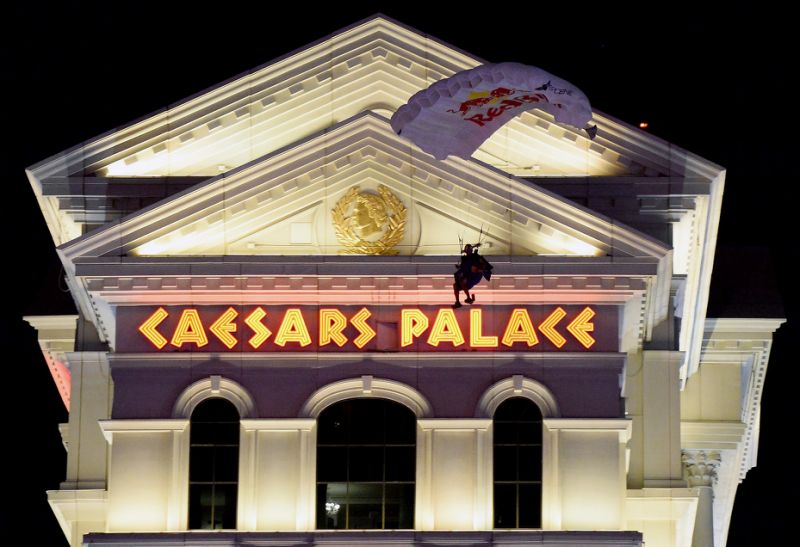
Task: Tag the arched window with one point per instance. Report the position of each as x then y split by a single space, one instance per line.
517 464
213 465
366 465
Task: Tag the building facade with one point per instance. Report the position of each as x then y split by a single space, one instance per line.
266 353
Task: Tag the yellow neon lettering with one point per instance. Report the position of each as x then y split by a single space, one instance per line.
412 324
445 329
261 333
359 321
580 326
331 324
189 330
224 326
476 337
548 327
519 329
148 328
293 329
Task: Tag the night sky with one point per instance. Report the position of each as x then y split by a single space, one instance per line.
712 80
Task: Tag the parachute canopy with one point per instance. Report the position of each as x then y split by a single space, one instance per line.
455 115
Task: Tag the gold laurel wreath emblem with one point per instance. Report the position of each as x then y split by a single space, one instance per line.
395 224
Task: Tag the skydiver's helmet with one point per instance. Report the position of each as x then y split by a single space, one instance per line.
468 249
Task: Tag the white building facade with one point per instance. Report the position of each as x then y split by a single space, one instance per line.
260 358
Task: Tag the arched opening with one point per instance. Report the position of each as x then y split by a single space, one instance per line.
517 434
213 465
366 465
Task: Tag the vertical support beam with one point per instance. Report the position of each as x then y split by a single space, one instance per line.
584 475
423 504
661 419
551 493
178 502
453 486
306 500
91 397
704 520
147 475
278 471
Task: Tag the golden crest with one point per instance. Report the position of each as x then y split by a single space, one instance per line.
369 224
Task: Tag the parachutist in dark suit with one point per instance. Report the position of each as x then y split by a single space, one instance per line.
469 272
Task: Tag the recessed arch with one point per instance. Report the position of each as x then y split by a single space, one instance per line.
214 386
517 386
366 386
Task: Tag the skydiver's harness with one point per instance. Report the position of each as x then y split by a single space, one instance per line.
471 269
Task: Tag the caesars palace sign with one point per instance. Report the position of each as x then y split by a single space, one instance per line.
253 328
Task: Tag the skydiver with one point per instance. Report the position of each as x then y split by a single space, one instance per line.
469 271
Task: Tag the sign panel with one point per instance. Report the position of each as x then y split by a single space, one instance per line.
265 328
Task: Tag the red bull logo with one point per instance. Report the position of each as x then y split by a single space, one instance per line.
491 104
481 98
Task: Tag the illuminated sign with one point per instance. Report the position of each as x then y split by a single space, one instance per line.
357 328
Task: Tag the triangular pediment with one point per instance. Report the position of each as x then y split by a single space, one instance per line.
374 65
286 204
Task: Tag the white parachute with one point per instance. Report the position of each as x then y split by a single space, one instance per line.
454 116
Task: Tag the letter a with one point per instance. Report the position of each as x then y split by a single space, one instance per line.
520 329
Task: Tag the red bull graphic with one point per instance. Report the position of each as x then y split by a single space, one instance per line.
497 101
481 98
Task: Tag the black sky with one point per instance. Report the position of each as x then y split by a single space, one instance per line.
712 78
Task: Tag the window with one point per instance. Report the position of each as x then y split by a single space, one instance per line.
213 465
517 464
366 465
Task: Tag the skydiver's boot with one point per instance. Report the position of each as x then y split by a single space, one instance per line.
455 292
470 299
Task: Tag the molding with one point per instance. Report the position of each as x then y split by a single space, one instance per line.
567 358
366 296
623 426
214 386
109 427
63 431
44 323
517 386
712 435
75 506
699 279
451 424
750 325
387 538
56 337
279 424
366 386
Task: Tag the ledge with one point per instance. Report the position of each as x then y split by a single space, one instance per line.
369 537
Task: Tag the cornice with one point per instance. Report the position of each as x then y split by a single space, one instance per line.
111 427
714 327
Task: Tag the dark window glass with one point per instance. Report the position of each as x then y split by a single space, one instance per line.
213 465
399 509
332 464
517 430
400 463
366 465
